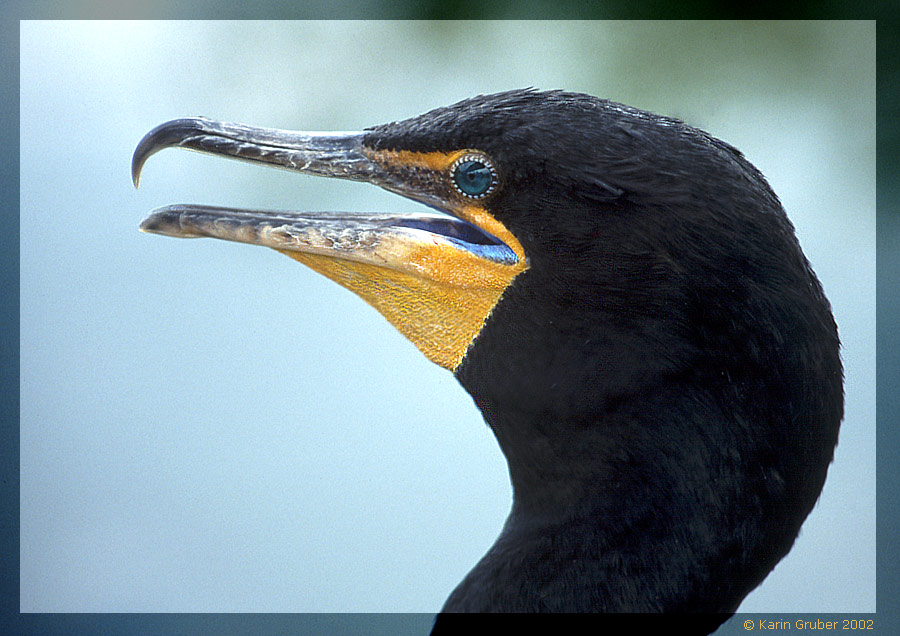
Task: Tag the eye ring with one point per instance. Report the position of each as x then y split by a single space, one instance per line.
473 176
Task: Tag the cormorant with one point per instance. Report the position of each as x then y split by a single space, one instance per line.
623 297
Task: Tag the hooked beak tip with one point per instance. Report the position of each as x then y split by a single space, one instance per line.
136 165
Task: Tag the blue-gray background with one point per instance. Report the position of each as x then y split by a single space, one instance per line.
212 427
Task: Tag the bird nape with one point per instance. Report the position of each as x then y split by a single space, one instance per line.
623 297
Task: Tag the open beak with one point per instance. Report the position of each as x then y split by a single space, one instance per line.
434 275
382 239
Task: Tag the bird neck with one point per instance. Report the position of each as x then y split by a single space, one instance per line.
662 458
623 512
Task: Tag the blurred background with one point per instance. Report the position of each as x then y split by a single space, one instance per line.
211 427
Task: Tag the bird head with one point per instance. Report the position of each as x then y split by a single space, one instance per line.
631 247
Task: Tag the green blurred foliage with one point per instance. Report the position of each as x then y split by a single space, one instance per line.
627 9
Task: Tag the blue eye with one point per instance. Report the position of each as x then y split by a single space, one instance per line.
473 176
